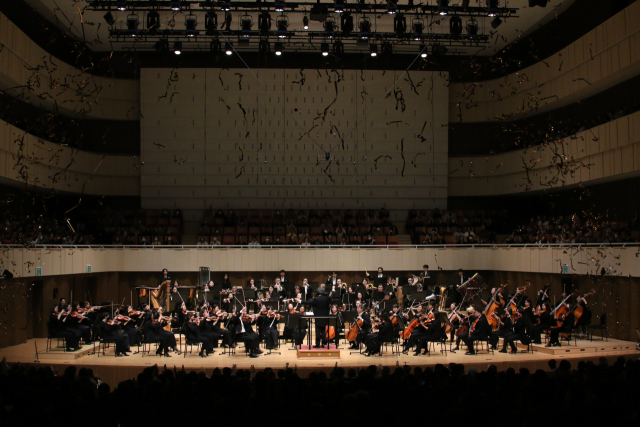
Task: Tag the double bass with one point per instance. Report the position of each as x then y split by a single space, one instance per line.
491 307
579 310
561 310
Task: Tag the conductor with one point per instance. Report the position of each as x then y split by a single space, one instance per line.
320 305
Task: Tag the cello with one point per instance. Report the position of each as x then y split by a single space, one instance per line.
561 310
491 307
330 331
415 323
355 328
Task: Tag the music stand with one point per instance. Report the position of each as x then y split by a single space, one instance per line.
418 295
403 281
377 296
290 287
388 288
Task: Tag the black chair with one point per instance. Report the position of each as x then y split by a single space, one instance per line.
444 340
55 336
147 342
104 343
478 343
602 327
395 346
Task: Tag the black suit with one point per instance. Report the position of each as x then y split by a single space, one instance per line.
250 339
57 329
113 333
517 334
321 307
364 330
435 333
545 323
481 331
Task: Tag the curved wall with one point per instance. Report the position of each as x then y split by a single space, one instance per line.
609 151
605 56
33 161
28 70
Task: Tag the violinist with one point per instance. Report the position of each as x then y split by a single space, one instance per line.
110 330
241 324
543 321
194 332
218 323
206 329
287 333
374 340
339 327
364 330
434 331
62 305
300 332
154 331
420 330
518 332
567 324
585 319
480 329
57 328
90 311
269 330
463 328
76 322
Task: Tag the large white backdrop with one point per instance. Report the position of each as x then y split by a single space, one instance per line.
230 139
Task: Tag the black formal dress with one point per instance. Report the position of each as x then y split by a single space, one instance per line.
567 327
115 334
374 340
270 331
364 330
435 333
545 321
194 332
57 330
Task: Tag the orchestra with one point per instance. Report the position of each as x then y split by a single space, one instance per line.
409 311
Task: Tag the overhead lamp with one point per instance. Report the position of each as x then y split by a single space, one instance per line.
423 51
162 46
214 47
121 5
365 28
175 5
338 48
492 7
392 9
246 22
417 26
153 21
443 7
305 22
132 25
225 6
283 24
399 24
228 48
346 23
373 49
455 25
211 22
387 49
264 23
338 6
108 17
279 48
190 23
324 48
329 27
177 48
496 22
472 28
279 6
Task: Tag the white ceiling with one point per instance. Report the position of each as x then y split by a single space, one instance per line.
70 15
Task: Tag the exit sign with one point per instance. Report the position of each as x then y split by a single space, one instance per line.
88 268
38 271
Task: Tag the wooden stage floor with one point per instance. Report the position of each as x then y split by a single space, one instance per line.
112 370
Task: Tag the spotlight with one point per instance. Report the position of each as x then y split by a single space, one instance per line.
305 22
492 7
365 28
329 27
153 21
279 48
324 47
246 22
472 28
455 26
214 47
228 48
225 6
338 7
177 48
338 48
346 23
373 49
175 5
121 5
279 6
108 17
283 23
417 25
399 24
423 51
211 22
443 7
387 49
392 9
496 22
132 25
162 46
190 23
264 23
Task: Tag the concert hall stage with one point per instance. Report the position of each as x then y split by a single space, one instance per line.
112 370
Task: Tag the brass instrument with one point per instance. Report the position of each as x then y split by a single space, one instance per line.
443 298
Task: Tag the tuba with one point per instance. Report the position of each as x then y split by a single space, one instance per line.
443 298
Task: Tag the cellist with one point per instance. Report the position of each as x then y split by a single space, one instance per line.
480 329
567 320
339 325
364 329
418 333
585 319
